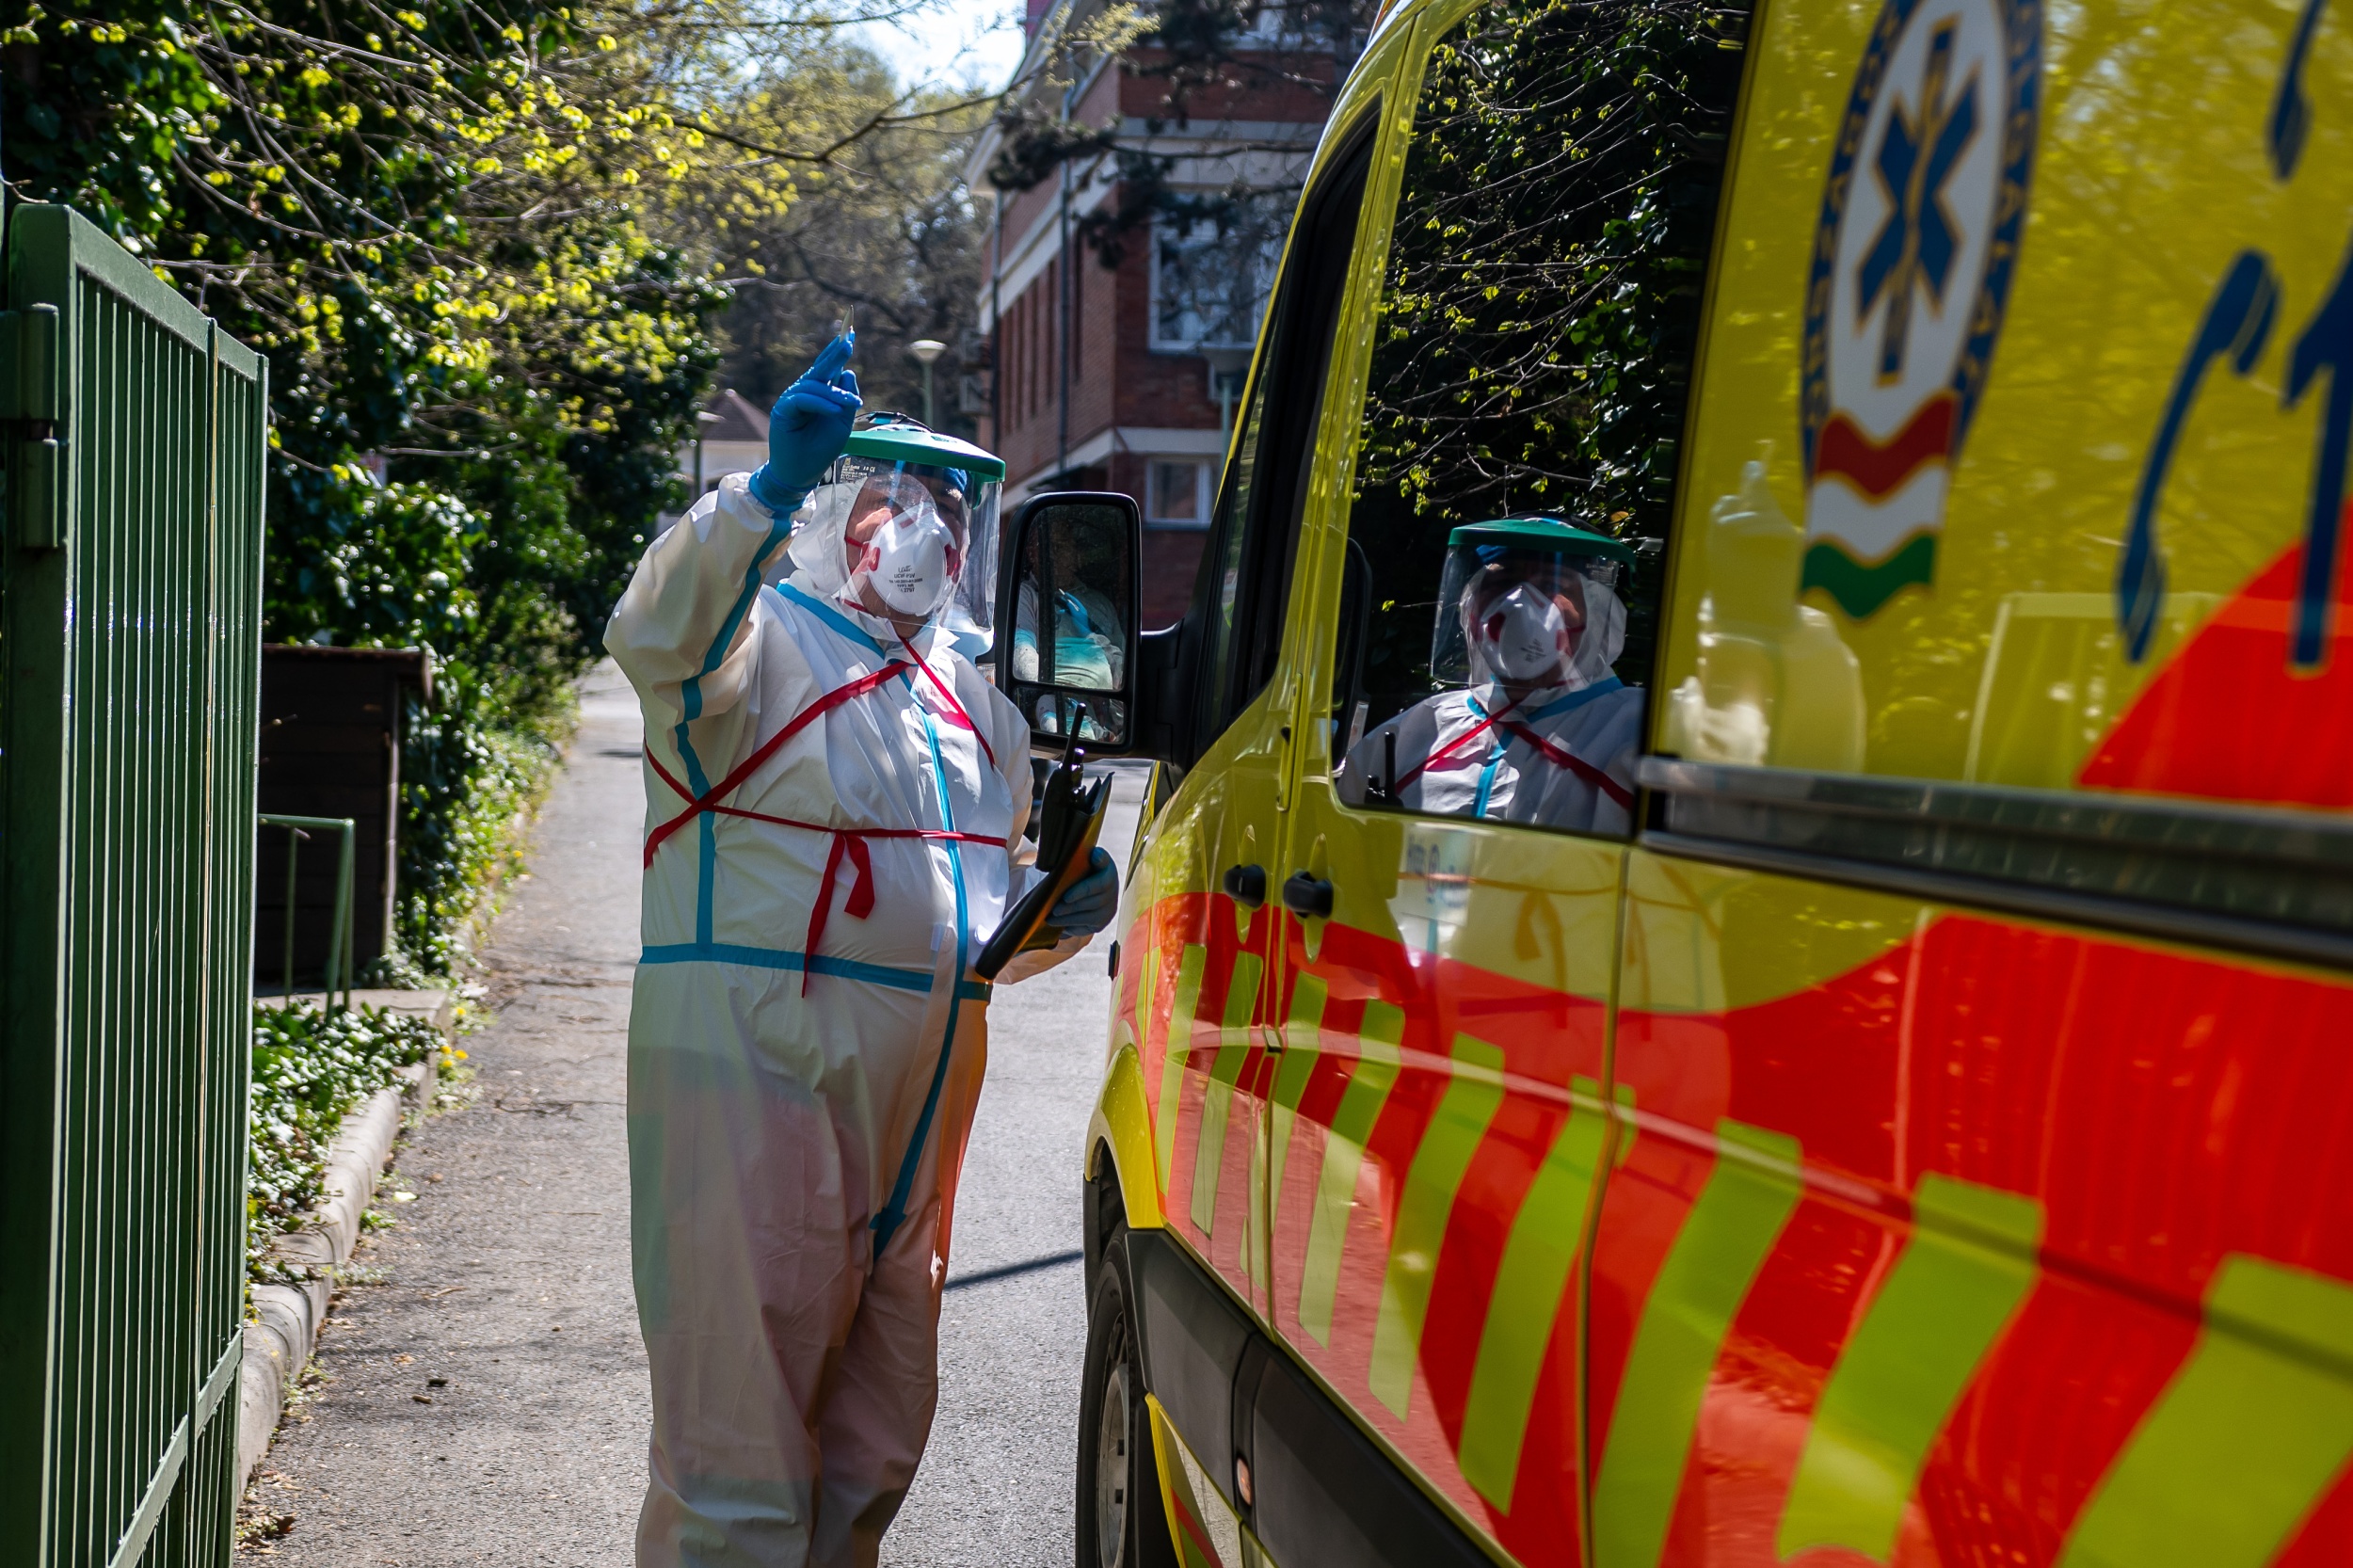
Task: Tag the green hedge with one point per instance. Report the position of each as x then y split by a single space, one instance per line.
428 220
462 787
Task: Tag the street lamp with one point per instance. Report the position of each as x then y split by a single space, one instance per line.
926 350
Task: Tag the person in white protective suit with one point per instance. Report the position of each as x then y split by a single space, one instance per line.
1086 650
1528 615
835 797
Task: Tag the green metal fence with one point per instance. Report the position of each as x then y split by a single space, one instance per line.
132 432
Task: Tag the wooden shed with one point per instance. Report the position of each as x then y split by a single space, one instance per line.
331 731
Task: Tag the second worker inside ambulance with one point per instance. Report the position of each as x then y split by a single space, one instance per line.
836 799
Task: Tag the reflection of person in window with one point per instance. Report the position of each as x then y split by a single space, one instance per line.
1543 733
1089 641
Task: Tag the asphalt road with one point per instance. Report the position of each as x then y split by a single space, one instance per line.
481 1397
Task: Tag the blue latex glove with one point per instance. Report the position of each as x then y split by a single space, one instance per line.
1088 903
809 428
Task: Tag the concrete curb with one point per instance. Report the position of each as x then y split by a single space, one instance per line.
278 1346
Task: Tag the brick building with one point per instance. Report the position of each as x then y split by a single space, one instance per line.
1109 378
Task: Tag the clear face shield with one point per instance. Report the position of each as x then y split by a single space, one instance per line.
1527 605
908 541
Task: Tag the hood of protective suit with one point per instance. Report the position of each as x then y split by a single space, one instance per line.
819 530
1519 636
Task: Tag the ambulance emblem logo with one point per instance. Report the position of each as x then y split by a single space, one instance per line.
1912 268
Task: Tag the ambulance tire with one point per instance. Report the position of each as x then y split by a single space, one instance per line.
1122 1523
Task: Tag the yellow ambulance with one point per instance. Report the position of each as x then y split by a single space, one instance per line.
1740 952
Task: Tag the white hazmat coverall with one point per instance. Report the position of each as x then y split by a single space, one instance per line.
806 1044
1560 755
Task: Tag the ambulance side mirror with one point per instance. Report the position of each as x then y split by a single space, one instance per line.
1066 617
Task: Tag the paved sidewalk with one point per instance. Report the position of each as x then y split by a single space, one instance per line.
508 1278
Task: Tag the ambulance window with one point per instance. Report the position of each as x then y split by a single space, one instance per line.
1531 355
1249 564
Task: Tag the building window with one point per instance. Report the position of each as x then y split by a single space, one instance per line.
1178 494
1211 277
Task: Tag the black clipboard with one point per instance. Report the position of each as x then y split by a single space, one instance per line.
1070 822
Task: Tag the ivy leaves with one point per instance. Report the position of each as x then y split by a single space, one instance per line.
310 1070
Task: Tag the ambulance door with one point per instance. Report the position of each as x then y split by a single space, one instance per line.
1211 949
1438 1118
1983 1017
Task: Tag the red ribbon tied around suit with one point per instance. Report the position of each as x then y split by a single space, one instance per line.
1559 756
849 844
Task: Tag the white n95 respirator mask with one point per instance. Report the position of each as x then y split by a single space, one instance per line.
1522 635
911 560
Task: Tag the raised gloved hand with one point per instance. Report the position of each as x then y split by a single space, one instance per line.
1088 903
809 428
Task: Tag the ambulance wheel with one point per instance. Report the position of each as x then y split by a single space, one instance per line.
1121 1522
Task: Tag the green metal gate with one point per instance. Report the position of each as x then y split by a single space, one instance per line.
132 431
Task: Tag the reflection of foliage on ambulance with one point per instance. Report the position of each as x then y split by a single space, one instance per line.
1543 289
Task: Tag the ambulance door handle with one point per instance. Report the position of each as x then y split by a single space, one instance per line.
1246 885
1308 897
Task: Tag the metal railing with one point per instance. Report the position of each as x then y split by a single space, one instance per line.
339 938
131 430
